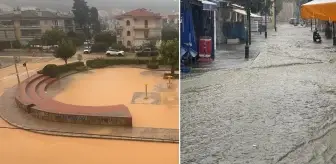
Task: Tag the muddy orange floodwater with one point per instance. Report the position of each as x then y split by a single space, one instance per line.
18 146
116 86
99 87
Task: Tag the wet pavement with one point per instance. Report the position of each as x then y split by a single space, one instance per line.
277 107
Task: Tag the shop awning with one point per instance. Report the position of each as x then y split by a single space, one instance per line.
208 5
319 9
243 12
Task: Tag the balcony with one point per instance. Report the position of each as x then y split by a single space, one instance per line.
30 26
32 36
146 27
6 27
69 25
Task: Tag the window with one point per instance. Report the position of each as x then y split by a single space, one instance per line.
146 23
128 43
146 34
128 23
128 33
56 23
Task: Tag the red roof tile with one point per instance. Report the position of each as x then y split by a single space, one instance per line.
139 13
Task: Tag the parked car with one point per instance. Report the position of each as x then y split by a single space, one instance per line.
137 49
87 50
147 52
113 52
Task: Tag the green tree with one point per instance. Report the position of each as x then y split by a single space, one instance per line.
65 50
105 37
94 20
259 5
76 39
71 34
81 14
279 6
52 37
170 53
169 33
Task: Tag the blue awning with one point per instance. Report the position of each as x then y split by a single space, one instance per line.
208 5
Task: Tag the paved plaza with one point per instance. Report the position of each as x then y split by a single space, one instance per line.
158 120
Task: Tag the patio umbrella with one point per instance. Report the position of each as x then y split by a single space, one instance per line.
319 9
188 42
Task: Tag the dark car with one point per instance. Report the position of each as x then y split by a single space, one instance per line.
147 52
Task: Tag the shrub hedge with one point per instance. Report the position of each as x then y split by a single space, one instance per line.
152 66
101 62
53 70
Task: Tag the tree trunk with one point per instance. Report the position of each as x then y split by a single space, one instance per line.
172 70
66 61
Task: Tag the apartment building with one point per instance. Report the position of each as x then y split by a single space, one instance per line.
137 27
29 24
172 19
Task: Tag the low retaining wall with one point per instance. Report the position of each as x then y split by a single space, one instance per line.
34 109
80 119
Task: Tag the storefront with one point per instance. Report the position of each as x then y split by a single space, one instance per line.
197 22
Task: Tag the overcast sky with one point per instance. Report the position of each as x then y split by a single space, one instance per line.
162 6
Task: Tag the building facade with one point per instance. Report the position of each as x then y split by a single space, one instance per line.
30 24
138 27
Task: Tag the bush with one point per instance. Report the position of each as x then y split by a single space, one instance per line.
77 41
53 70
4 45
99 47
152 66
17 44
101 62
69 67
50 70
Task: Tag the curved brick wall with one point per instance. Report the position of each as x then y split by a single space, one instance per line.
31 97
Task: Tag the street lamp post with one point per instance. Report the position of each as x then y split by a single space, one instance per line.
265 18
247 48
334 37
249 21
16 70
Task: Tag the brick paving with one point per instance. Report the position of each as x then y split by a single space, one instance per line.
17 117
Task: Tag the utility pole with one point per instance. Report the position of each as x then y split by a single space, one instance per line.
247 48
249 20
265 18
17 72
14 57
334 37
275 17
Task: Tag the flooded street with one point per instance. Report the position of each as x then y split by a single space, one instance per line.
278 107
111 86
20 146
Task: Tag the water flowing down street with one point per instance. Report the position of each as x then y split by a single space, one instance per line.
277 107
